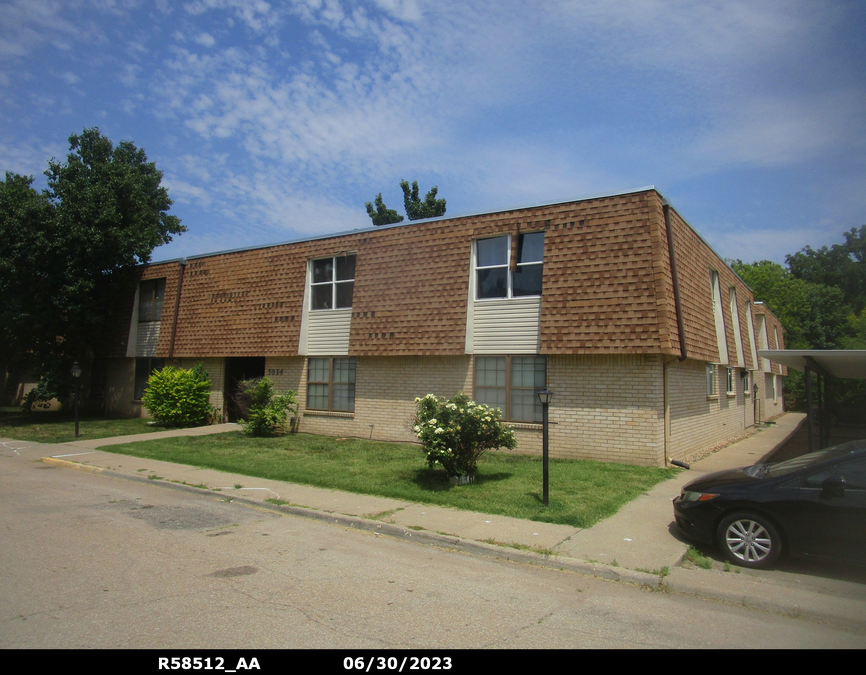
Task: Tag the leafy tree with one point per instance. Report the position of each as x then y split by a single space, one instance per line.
815 316
840 265
62 251
382 215
415 208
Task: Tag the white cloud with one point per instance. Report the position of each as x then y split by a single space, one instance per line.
28 24
205 40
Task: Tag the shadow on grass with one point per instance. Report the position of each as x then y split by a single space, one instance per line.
436 480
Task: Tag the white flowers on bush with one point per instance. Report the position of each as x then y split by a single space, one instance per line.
455 432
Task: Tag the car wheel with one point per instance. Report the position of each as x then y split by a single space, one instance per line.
749 540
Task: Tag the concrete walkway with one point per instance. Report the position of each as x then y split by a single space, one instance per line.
639 544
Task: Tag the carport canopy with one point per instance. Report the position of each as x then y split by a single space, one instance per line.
846 363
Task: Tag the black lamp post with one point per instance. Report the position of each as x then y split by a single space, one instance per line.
544 396
76 375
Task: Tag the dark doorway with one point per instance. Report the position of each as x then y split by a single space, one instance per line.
238 369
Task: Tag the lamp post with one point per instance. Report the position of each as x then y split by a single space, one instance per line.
75 371
544 396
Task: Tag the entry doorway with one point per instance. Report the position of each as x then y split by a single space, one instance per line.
237 369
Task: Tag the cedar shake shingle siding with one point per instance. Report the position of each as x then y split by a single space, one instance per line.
607 325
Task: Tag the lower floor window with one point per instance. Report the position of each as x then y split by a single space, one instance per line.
143 370
770 383
331 384
511 383
711 379
731 381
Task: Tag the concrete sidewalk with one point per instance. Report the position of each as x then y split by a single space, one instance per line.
635 545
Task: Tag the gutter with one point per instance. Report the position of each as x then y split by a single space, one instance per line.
675 278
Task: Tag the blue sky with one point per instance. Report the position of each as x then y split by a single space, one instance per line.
278 120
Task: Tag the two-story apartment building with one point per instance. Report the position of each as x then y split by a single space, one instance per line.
646 337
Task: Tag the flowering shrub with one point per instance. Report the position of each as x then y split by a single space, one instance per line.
455 432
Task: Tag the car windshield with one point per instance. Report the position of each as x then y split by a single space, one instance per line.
774 470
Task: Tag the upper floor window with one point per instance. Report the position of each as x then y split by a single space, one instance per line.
150 295
333 282
497 277
719 317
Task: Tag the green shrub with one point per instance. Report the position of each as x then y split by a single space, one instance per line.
179 396
455 432
261 409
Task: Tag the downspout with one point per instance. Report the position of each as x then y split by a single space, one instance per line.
182 263
675 278
680 329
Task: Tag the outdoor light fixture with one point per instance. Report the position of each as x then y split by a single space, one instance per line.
544 396
75 371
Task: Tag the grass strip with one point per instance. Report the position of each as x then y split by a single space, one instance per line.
59 427
582 492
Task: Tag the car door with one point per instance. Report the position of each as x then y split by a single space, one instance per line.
830 516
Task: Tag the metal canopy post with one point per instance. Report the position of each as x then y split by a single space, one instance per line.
808 372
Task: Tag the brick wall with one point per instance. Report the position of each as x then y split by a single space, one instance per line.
385 392
698 421
607 408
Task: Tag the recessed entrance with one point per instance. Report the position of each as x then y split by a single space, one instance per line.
237 369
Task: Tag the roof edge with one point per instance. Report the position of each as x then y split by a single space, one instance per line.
377 228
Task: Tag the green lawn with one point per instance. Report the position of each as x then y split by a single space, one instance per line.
581 492
59 427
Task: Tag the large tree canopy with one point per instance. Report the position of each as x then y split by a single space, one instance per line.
61 250
841 265
815 316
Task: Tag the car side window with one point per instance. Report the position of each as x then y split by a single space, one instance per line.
854 474
816 480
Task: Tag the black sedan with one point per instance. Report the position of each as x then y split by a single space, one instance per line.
813 505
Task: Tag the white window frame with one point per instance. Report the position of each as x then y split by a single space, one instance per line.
712 374
731 381
330 384
506 265
509 388
719 317
334 283
151 295
770 381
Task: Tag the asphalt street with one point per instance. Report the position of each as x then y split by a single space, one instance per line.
97 561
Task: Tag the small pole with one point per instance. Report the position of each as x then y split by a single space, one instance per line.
544 396
76 375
